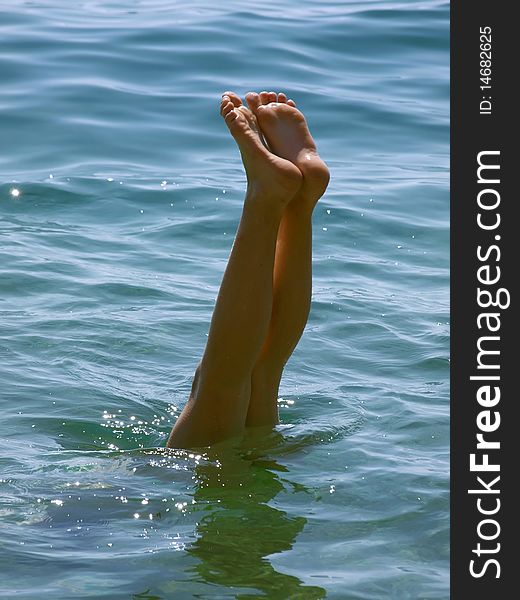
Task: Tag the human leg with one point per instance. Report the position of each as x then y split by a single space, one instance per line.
287 134
218 404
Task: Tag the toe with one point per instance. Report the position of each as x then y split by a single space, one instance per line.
233 97
264 97
253 100
225 106
282 98
230 116
291 103
271 97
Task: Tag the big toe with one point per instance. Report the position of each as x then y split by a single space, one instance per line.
253 101
235 98
226 105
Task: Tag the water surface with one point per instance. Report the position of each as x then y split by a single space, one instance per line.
128 192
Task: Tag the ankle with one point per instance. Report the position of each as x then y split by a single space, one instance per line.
278 181
265 198
302 206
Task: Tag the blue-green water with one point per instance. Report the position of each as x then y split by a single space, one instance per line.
111 254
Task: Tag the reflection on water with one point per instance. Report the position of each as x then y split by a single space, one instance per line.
238 530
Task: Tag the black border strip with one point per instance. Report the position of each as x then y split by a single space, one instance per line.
479 129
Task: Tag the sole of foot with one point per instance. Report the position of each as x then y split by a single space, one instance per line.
287 134
267 173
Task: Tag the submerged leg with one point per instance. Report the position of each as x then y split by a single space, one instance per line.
219 400
287 134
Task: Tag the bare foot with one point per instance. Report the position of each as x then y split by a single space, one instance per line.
266 172
288 136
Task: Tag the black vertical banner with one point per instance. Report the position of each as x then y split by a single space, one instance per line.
484 261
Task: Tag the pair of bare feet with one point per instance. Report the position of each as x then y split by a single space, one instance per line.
278 152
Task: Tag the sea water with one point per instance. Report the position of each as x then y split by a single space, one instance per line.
120 192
